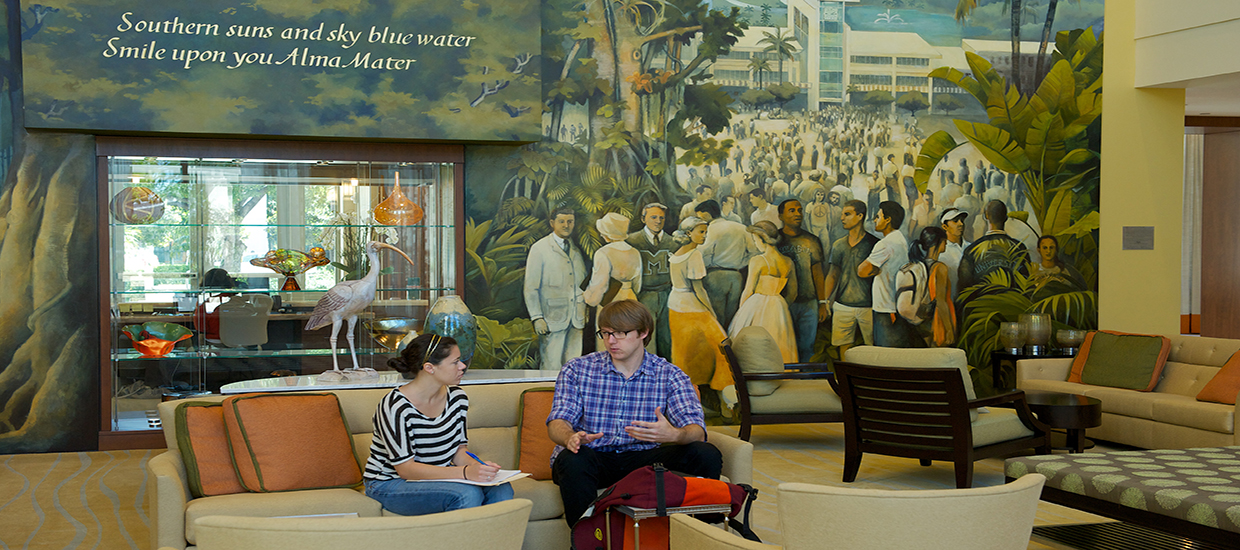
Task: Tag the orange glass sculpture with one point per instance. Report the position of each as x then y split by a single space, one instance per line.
397 209
154 338
137 205
289 263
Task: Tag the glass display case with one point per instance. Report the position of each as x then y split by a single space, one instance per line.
216 266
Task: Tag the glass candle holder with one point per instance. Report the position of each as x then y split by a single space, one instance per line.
1037 332
1012 336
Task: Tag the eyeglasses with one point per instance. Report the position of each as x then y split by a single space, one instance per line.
607 334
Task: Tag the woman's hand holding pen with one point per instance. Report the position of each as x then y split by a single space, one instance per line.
480 470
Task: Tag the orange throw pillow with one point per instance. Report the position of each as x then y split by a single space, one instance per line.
1225 384
535 445
1121 360
285 442
203 442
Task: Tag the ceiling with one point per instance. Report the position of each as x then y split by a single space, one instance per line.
1213 96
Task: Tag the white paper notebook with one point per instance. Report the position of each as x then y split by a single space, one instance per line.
501 477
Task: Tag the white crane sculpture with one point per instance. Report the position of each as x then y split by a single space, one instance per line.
344 302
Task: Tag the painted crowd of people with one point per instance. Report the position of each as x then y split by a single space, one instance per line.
807 224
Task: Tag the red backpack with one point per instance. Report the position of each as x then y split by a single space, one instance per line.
655 487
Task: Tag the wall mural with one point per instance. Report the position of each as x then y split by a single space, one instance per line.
789 159
341 68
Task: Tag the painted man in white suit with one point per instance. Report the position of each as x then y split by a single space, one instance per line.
554 271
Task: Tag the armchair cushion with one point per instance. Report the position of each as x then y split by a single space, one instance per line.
284 442
203 442
935 358
757 352
292 503
798 396
1225 385
1120 360
996 426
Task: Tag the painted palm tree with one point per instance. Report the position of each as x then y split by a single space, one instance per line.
964 8
759 65
1046 35
783 45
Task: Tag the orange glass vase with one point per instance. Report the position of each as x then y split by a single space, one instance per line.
397 209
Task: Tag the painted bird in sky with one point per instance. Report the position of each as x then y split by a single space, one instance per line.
346 300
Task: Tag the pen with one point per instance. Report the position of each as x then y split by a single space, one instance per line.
475 457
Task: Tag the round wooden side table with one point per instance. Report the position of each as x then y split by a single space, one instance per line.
1069 412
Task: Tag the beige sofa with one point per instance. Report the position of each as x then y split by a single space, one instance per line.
1170 417
493 421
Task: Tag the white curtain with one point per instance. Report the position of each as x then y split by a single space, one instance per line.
1190 246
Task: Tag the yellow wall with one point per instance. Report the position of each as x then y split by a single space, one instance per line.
1142 171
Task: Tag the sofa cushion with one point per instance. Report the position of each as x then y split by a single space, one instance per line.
292 503
1225 384
757 352
1124 402
544 494
285 442
203 442
1189 412
1120 360
534 445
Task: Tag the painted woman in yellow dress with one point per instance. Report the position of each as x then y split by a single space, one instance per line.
761 303
696 332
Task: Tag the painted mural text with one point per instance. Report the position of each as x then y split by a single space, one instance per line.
116 47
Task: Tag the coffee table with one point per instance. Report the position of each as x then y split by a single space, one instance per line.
1065 411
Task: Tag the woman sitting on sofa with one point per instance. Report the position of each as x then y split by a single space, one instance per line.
420 436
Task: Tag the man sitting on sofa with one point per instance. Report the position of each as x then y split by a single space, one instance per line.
613 410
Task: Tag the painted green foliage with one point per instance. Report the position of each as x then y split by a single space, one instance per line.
286 67
1051 140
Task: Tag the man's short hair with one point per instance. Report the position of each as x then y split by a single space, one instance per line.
996 213
625 315
701 188
563 211
757 192
710 207
650 205
892 211
857 206
785 202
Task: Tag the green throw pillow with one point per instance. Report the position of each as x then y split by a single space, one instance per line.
1117 360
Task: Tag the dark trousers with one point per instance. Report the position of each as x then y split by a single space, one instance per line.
580 475
892 331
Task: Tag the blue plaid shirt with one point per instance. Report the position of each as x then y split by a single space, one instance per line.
593 397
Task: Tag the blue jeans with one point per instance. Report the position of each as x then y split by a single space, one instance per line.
805 325
409 498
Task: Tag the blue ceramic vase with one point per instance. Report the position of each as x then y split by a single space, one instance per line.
451 317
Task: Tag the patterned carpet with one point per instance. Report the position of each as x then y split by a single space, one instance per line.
98 499
74 500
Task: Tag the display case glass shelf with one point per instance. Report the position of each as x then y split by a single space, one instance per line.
188 245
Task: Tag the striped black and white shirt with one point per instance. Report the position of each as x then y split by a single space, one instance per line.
402 433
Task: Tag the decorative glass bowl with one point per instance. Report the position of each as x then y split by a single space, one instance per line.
392 332
290 263
1037 332
137 205
1069 339
155 338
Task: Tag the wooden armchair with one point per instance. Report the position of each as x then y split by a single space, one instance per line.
802 391
924 413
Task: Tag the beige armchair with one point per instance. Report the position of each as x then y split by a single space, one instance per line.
499 526
689 533
985 518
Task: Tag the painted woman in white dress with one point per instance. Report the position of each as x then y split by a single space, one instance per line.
696 332
761 302
617 271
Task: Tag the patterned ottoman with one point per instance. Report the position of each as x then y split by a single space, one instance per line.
1193 493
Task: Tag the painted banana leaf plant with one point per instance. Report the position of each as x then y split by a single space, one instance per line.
1051 141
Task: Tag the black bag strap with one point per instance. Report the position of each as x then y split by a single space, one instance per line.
742 527
660 496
